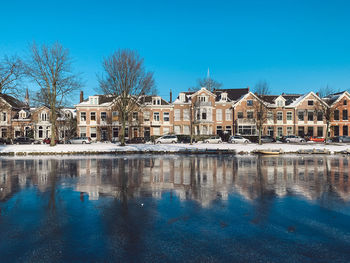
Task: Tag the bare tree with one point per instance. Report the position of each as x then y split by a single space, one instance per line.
327 112
209 83
325 91
11 74
261 110
127 80
262 88
50 67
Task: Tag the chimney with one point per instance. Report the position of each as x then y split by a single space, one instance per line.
171 97
81 96
248 88
318 94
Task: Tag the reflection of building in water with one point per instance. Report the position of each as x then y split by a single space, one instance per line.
200 178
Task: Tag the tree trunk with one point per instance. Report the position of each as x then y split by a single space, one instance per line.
53 126
122 137
260 131
327 128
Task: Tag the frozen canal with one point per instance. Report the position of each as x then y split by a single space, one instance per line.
171 208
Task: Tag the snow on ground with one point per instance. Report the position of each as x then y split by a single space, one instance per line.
111 147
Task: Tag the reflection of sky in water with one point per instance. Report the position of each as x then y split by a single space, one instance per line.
175 208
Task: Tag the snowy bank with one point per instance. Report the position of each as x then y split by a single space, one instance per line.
105 148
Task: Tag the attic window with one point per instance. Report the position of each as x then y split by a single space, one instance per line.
249 102
310 102
345 102
156 101
280 103
224 96
182 97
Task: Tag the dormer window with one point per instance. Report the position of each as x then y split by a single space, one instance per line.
280 103
182 97
224 96
156 101
93 100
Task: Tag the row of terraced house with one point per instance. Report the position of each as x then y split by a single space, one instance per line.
222 112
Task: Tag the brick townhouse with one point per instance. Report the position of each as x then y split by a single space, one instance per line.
19 119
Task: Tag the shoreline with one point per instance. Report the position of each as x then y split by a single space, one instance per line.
198 148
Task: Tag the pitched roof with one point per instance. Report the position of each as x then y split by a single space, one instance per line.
331 98
147 99
290 98
15 103
232 94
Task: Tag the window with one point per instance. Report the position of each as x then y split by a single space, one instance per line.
135 116
156 116
115 114
218 130
177 115
166 116
289 115
156 131
240 115
300 115
186 129
270 115
93 132
228 130
93 116
345 130
320 131
249 102
336 115
43 116
336 130
177 129
345 115
280 103
224 96
4 132
103 116
202 98
228 114
247 130
280 116
126 132
156 101
310 131
345 102
115 132
182 97
319 116
250 114
310 115
82 131
166 130
186 113
4 116
289 130
219 115
204 114
146 116
279 131
310 102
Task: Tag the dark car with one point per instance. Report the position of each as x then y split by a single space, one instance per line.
23 140
341 139
5 141
185 139
267 139
136 140
48 141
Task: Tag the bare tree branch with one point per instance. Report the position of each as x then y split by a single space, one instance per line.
126 79
50 68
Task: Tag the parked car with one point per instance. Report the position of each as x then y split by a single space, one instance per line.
267 139
213 139
23 140
315 139
79 140
5 141
341 139
136 140
48 141
167 139
292 138
238 139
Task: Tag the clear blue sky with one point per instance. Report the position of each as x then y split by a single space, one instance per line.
296 46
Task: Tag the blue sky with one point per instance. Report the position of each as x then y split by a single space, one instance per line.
296 46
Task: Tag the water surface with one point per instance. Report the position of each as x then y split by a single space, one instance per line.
175 208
